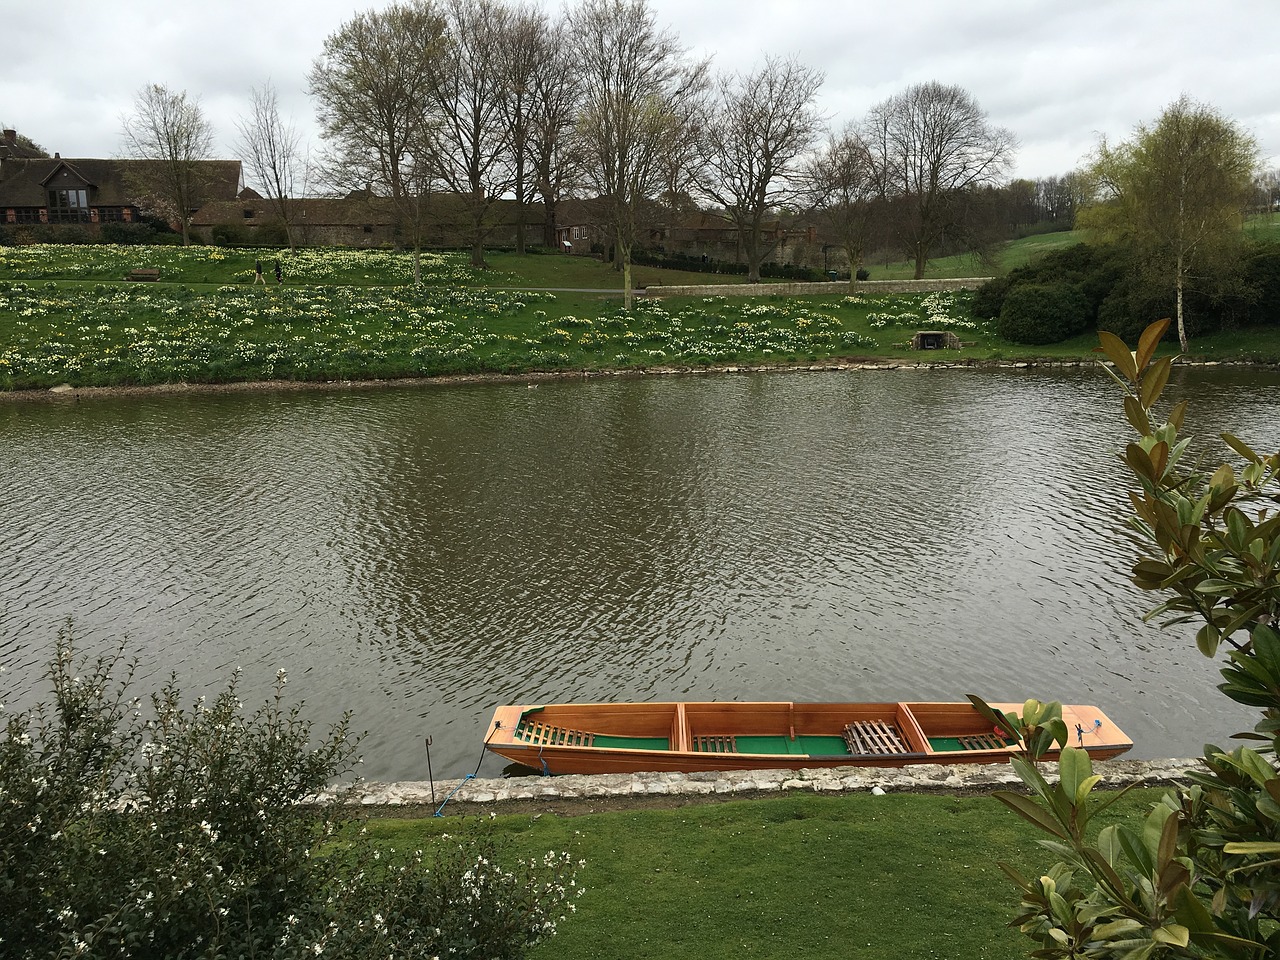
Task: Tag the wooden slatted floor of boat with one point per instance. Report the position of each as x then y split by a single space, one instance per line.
715 744
549 735
874 738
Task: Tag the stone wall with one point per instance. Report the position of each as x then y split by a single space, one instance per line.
869 288
918 778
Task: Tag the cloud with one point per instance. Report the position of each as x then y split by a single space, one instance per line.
1056 75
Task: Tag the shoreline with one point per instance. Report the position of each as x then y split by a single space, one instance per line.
66 392
576 794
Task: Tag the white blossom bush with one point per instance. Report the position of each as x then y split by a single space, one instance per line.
162 831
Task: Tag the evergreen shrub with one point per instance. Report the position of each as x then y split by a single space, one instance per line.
1036 313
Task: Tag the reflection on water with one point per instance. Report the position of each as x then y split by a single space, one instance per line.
420 555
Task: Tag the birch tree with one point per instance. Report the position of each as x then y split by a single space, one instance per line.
1177 192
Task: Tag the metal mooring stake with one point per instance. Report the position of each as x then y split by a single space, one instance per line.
430 777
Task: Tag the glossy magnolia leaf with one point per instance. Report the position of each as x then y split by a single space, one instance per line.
1155 381
1118 353
1116 929
1140 463
1032 812
1159 454
1168 848
1207 639
1174 934
1252 847
1177 414
1136 415
1149 340
1242 448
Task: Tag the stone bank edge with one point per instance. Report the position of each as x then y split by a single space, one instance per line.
918 778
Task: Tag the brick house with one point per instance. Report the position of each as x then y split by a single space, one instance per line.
56 191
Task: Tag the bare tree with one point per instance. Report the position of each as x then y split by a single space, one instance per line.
469 138
931 145
371 84
760 125
555 94
844 193
632 73
269 147
169 131
523 45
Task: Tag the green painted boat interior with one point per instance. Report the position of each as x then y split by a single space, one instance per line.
803 745
631 743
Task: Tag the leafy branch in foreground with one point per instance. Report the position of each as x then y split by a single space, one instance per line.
1200 876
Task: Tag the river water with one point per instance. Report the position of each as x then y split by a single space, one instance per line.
419 555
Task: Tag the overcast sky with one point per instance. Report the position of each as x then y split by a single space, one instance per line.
1057 73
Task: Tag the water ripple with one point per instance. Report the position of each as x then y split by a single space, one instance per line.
418 556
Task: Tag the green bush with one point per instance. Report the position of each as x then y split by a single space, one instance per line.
1262 276
1043 313
132 234
989 298
175 832
1199 877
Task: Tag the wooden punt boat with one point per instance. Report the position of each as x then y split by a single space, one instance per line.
627 737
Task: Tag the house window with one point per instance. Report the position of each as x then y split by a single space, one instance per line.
248 214
68 206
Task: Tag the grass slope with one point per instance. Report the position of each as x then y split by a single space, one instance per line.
879 878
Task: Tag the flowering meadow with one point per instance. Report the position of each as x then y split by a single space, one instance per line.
351 315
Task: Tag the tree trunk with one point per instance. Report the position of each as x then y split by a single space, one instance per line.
1182 327
549 227
627 296
921 260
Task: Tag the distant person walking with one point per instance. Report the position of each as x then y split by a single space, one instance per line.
257 273
279 273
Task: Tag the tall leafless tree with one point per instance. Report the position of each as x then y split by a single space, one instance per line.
169 130
932 144
523 45
470 140
269 146
372 84
555 95
844 194
760 125
632 74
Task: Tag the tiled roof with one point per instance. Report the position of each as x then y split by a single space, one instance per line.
25 182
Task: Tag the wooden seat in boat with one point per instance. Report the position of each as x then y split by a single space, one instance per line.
874 737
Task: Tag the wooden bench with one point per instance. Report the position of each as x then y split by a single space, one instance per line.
143 273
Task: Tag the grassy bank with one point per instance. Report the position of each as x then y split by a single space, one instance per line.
67 316
880 878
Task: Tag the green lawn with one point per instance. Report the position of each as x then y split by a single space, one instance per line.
68 316
881 878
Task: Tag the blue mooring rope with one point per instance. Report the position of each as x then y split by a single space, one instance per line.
439 809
